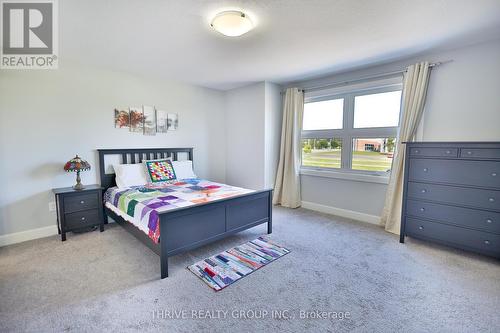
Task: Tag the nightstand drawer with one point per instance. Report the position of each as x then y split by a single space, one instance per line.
75 203
82 219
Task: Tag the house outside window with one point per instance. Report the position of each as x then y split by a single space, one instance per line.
368 146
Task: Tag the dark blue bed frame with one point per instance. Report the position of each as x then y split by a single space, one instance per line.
184 229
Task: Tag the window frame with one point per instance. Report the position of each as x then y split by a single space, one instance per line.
348 132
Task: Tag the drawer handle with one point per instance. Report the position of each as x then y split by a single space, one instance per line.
423 190
489 220
83 218
417 151
422 209
425 169
469 153
494 174
421 228
82 202
448 152
491 200
487 242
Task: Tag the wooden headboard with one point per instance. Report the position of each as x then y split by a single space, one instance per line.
136 155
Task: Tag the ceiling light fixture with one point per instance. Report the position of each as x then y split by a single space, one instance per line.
232 23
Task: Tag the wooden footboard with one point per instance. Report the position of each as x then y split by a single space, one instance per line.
184 229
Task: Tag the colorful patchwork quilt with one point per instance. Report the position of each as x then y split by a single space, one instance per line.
143 204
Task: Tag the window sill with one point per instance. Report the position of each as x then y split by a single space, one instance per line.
359 177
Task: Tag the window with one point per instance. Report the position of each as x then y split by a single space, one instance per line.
369 146
372 154
323 115
377 110
321 153
354 131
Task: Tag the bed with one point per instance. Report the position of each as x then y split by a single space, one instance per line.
184 228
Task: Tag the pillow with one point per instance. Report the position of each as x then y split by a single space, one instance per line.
130 175
183 169
160 170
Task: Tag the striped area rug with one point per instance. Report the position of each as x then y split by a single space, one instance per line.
227 267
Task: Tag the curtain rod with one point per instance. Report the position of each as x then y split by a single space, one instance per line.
366 78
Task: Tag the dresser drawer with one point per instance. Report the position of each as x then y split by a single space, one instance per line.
472 218
434 152
475 173
492 153
469 197
76 203
82 219
460 237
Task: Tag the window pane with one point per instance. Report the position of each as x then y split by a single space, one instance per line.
377 110
323 115
373 154
321 153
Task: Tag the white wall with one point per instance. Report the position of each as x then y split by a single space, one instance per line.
463 104
245 136
273 119
46 117
253 128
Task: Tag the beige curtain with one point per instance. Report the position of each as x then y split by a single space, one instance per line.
287 185
416 80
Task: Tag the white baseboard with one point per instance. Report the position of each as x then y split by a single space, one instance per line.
27 235
18 237
350 214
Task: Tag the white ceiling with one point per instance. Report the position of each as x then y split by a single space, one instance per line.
293 39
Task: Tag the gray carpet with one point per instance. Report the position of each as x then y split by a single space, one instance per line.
110 282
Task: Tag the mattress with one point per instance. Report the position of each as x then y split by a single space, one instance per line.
142 205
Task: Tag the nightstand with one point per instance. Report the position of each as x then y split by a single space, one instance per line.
77 209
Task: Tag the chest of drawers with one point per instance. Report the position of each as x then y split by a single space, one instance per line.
452 195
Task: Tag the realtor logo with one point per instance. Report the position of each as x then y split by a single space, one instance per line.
29 34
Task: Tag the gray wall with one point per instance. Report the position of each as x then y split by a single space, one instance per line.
46 117
273 119
463 103
245 138
253 129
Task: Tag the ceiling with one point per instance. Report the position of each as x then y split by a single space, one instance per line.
293 39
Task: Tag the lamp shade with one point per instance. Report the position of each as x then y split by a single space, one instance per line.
76 164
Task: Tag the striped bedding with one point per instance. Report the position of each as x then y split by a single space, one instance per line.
142 205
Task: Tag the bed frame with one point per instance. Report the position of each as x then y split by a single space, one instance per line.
184 229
